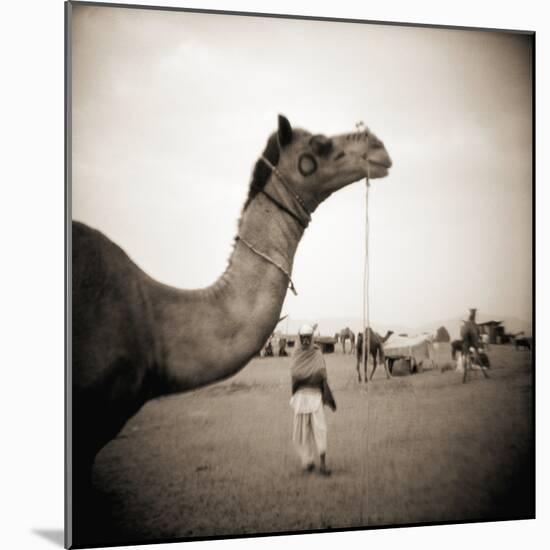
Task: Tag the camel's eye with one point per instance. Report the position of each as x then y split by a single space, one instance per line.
307 164
321 145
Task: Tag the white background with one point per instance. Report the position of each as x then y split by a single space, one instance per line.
32 244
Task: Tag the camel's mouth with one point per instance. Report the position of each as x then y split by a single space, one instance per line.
340 155
386 163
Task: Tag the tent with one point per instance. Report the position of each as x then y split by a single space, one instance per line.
416 348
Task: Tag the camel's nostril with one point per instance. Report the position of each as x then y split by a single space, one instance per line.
340 155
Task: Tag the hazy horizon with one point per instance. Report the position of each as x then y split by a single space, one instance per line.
172 109
329 326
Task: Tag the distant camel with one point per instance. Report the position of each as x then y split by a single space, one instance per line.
522 342
469 332
456 347
347 334
376 350
134 339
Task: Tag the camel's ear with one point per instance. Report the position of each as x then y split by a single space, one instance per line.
285 131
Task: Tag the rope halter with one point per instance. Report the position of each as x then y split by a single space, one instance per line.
303 214
291 203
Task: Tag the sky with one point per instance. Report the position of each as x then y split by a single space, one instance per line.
171 110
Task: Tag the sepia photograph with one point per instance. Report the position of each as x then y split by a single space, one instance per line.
300 268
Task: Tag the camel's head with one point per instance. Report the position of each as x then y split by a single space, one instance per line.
316 166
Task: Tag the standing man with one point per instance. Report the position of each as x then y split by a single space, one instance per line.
310 391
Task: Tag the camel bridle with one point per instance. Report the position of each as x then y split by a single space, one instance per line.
303 214
303 218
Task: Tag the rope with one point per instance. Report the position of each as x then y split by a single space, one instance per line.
280 177
366 312
271 261
366 309
364 513
282 207
287 210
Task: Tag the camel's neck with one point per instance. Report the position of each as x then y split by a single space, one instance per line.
210 334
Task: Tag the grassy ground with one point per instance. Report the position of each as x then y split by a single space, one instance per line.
416 448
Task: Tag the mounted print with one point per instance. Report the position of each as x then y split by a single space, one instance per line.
300 268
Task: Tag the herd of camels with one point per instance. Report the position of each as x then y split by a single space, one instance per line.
135 339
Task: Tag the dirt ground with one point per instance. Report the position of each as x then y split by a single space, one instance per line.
416 448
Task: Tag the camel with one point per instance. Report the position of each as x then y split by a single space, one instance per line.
376 349
522 342
469 332
135 339
347 334
456 349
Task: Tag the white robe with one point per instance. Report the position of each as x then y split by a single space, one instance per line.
310 428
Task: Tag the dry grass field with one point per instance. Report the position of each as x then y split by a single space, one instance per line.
413 449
